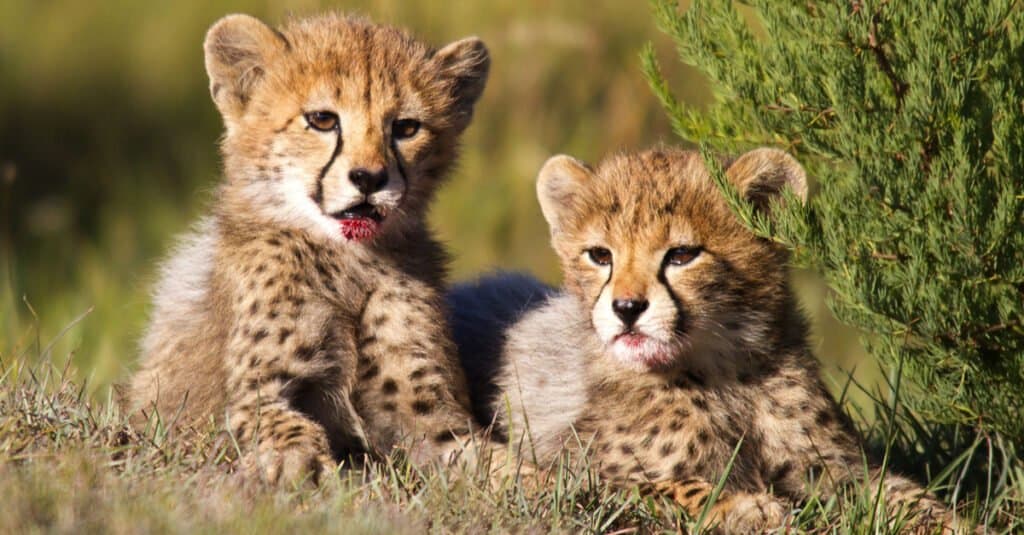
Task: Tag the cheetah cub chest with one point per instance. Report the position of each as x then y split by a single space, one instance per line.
306 307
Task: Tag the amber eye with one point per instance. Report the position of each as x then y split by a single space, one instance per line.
322 120
404 128
600 256
680 256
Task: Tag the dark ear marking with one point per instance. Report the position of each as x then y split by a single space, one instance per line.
463 67
762 174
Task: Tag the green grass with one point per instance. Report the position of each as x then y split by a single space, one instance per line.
70 464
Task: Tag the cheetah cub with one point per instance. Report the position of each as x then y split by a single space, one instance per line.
675 342
307 308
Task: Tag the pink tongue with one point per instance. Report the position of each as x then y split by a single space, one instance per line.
358 228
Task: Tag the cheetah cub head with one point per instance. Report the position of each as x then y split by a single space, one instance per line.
648 242
335 125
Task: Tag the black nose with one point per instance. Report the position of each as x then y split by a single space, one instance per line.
368 181
628 310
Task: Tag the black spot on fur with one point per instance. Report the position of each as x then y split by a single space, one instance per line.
370 372
444 436
693 492
781 472
667 449
304 352
824 417
260 335
389 387
699 403
422 407
678 470
283 335
417 374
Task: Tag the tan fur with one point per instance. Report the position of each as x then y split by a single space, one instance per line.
719 361
310 343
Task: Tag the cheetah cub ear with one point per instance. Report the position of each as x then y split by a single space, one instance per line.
761 174
463 65
238 49
558 188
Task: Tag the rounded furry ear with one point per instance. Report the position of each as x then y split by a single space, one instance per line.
238 49
464 64
761 174
558 185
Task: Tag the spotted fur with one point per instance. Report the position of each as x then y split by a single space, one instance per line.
709 359
316 334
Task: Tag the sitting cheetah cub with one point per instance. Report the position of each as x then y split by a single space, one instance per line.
675 343
307 307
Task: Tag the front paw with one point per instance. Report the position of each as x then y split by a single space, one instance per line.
752 513
294 464
934 518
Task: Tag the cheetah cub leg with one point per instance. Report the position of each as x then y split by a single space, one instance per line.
735 512
264 360
409 385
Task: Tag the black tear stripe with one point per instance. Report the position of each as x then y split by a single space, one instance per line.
611 271
680 317
318 196
401 166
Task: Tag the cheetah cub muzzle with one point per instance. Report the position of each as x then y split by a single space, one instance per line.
306 308
675 342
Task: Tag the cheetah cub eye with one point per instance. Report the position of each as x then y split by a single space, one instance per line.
599 256
681 256
404 128
324 121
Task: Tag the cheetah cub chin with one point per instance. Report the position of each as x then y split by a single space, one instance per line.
675 342
307 308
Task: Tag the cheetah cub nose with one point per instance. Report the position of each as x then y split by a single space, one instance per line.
629 310
367 181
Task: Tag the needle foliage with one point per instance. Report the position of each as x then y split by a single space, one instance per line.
910 117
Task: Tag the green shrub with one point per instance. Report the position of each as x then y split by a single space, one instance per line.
910 115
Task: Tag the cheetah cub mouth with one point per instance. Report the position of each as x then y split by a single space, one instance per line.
637 349
360 222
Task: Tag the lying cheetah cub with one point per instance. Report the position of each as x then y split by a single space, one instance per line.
306 308
675 341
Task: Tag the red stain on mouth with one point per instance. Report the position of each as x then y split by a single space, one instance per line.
632 340
358 228
360 222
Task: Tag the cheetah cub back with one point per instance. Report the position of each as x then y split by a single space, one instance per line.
675 342
305 311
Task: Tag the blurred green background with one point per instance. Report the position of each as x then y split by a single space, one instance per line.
108 150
